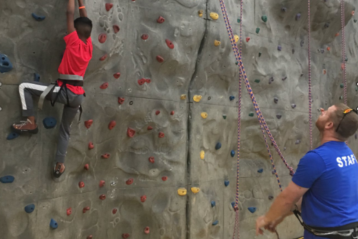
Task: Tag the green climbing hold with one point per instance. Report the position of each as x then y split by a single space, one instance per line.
342 86
341 97
224 116
257 80
238 20
259 54
257 30
264 18
251 114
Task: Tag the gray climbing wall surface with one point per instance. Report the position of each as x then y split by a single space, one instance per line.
167 54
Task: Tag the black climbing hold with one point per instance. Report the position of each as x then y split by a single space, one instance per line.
5 64
298 141
36 77
12 135
271 80
355 136
279 48
283 9
270 197
341 85
259 54
227 182
293 51
232 153
7 179
326 25
252 209
346 58
37 17
49 122
53 224
293 106
275 100
215 223
278 116
213 203
232 98
218 146
298 16
284 78
355 20
260 170
30 208
302 43
341 97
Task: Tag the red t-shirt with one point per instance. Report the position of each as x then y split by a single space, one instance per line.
75 59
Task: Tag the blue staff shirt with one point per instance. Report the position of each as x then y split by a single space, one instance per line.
331 174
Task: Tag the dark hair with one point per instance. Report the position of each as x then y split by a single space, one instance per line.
83 26
346 124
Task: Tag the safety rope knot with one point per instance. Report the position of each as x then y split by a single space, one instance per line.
236 208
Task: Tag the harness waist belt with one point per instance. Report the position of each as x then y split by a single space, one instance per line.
70 77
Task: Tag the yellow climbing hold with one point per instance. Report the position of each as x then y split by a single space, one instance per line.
237 38
202 154
204 115
200 13
182 191
195 189
197 98
217 43
183 97
214 15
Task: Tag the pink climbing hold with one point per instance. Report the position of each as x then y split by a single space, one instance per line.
171 112
102 197
164 178
160 19
120 100
85 209
157 112
143 198
101 183
105 156
88 123
90 145
117 75
103 57
109 6
160 59
81 184
248 39
125 235
111 124
130 132
151 159
149 128
104 86
86 166
144 36
161 135
102 37
146 230
69 211
116 28
169 44
114 211
129 181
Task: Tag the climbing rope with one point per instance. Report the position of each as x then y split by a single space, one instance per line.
309 74
343 64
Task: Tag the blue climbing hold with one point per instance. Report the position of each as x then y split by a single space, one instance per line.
36 77
12 135
232 153
30 208
260 170
232 98
252 209
233 205
218 146
5 64
215 223
213 203
37 17
226 183
7 179
49 122
53 224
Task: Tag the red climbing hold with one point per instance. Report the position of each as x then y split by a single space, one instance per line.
85 209
248 39
151 159
160 59
104 86
111 124
161 135
143 198
120 100
157 112
101 183
149 128
146 230
90 237
103 57
81 184
114 211
147 80
69 211
145 36
125 235
172 113
102 37
117 75
88 123
164 178
102 197
130 132
160 19
129 181
105 156
90 145
169 44
141 81
86 166
109 6
116 28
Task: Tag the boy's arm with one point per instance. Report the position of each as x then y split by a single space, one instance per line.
70 13
83 12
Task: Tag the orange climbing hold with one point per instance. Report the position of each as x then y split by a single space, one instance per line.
102 37
169 44
337 34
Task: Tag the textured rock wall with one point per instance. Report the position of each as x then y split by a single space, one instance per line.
195 66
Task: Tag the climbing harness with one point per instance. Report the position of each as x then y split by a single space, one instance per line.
343 52
309 75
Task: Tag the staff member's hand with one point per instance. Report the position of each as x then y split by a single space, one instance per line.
263 222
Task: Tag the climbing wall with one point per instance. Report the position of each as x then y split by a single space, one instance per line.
155 154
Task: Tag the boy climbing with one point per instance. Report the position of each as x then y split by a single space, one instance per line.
68 88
